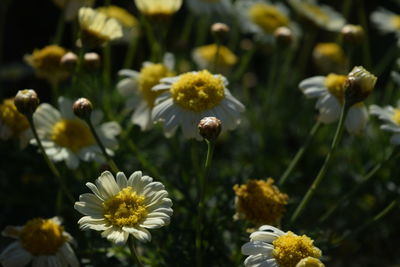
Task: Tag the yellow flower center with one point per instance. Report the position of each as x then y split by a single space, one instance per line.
315 12
289 249
120 14
395 22
331 51
10 116
150 76
125 208
48 59
198 91
335 84
260 201
396 116
225 56
158 8
73 134
42 237
267 17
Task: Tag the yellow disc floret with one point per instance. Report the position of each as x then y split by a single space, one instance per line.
336 85
225 55
10 116
330 51
73 134
42 237
198 91
260 201
395 22
396 116
267 17
125 208
150 75
290 248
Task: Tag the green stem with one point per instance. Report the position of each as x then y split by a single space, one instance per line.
78 67
153 43
324 168
216 57
60 28
299 153
201 196
49 163
244 64
187 29
132 249
110 161
107 65
133 45
364 23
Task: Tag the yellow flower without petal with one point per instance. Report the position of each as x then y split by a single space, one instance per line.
158 8
204 56
329 57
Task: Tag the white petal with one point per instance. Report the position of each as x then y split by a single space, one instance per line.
121 180
106 185
257 247
356 119
14 255
138 232
116 235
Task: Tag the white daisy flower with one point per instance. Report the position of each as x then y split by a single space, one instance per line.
391 118
124 206
271 247
330 93
158 8
13 124
386 21
322 15
137 86
40 241
192 96
66 137
221 7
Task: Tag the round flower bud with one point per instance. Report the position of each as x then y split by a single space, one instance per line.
310 262
69 61
352 34
26 101
219 30
82 108
359 85
283 36
210 128
91 61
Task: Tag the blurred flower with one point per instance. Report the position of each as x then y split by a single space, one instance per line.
191 96
13 124
260 202
391 118
352 34
271 247
208 7
322 15
329 57
330 93
96 28
40 241
66 137
204 57
47 63
121 207
386 21
137 86
158 9
310 262
72 7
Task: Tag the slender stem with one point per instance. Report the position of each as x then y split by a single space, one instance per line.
60 28
324 168
153 43
107 65
132 249
78 67
201 196
130 55
244 63
216 56
49 163
187 29
299 153
110 161
362 16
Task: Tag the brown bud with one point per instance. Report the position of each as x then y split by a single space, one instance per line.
82 108
26 101
210 128
359 85
220 31
91 61
352 34
283 36
69 61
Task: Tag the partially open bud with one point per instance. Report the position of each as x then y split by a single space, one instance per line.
283 36
69 61
352 34
82 108
359 85
26 101
210 128
310 262
220 31
91 61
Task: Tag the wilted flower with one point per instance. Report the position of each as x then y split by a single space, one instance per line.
260 202
158 9
205 57
40 241
271 247
207 7
137 86
391 117
329 57
191 96
66 137
120 207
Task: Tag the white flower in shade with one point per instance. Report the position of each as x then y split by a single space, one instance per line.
190 97
40 241
71 7
124 206
13 124
271 247
391 117
221 7
136 87
386 21
158 8
330 93
97 28
66 137
322 15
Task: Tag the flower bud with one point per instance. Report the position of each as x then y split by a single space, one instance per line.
91 61
359 85
210 128
82 108
283 36
352 34
220 31
69 61
26 101
310 262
